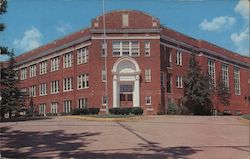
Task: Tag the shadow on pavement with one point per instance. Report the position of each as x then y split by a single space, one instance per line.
21 144
15 119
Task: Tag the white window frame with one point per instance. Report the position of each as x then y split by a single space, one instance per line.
82 55
54 107
83 81
42 108
147 48
54 87
68 84
179 82
68 60
43 67
67 106
132 47
179 58
43 89
225 75
104 75
55 64
23 73
237 90
147 75
104 100
211 73
32 91
83 103
33 70
148 98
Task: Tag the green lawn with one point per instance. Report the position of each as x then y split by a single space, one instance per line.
246 116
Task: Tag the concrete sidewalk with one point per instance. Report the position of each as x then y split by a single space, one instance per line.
152 137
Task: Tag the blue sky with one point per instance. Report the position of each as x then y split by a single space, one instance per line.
31 23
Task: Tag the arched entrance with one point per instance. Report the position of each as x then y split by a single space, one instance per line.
126 83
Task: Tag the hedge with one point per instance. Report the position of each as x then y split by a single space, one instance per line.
126 111
85 111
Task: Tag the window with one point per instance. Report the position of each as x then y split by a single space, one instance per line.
162 79
148 100
237 81
225 78
104 100
147 48
104 76
83 81
179 81
43 89
116 48
211 72
68 84
24 73
23 91
55 64
104 47
32 70
54 107
82 55
32 91
125 20
125 48
83 102
135 48
169 83
42 108
179 58
67 106
43 67
147 75
54 87
67 60
16 74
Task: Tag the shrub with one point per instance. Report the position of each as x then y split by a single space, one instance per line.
172 109
51 114
137 111
84 111
114 111
94 110
76 111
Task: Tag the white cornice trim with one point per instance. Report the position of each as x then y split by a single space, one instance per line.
125 37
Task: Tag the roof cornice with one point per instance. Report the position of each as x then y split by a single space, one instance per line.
115 31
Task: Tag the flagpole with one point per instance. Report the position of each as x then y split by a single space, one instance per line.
105 56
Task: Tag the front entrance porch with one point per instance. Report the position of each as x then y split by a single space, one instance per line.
126 83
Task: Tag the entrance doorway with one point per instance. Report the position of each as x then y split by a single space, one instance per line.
126 95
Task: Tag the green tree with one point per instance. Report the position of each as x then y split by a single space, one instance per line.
10 93
197 95
223 92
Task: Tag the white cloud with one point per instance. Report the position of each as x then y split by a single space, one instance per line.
241 41
30 40
64 27
217 23
243 8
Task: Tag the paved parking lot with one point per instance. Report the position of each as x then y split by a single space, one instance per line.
152 137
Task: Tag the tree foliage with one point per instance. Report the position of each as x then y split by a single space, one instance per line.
3 9
223 92
197 95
